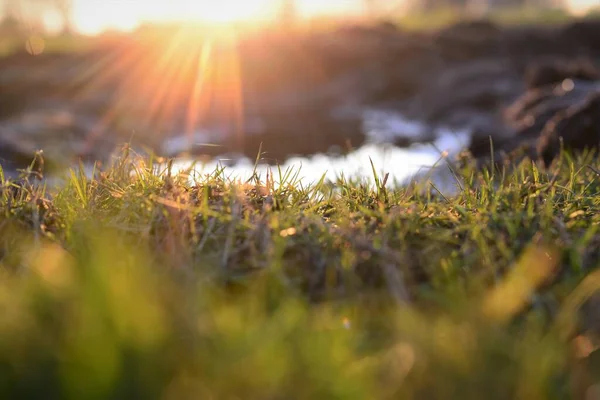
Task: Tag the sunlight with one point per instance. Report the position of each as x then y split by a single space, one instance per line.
52 21
180 78
94 16
227 10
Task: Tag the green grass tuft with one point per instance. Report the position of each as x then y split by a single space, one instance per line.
143 283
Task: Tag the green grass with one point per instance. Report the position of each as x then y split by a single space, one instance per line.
139 284
10 44
509 16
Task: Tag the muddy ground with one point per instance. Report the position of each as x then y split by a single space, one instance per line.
527 87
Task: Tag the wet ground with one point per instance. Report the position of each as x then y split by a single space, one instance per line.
401 163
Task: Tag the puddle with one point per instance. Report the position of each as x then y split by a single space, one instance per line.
381 128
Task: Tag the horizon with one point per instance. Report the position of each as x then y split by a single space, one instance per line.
91 17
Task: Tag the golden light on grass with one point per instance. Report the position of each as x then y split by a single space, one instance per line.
507 299
54 266
583 346
288 232
567 320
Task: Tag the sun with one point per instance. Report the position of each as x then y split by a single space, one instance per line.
94 16
227 11
184 71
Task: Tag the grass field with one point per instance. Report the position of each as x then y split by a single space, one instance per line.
506 17
140 284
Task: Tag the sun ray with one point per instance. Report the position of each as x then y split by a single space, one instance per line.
179 78
178 86
168 72
159 75
122 59
233 94
119 60
196 105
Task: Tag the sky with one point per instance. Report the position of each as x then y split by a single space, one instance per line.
91 16
94 16
583 5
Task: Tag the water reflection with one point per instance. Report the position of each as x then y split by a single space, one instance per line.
401 163
381 127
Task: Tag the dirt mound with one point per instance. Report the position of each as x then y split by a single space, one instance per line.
546 72
565 108
578 126
583 34
469 40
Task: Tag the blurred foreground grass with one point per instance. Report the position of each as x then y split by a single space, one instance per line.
139 284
